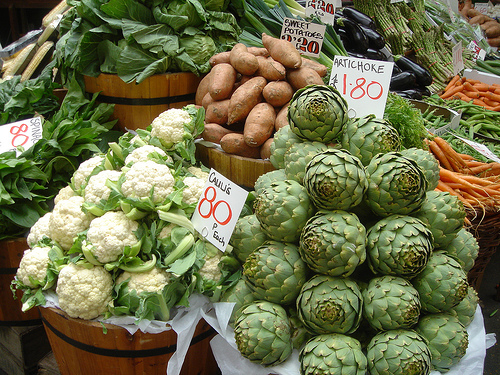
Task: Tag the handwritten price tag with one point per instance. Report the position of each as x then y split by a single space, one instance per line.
482 149
218 209
306 36
323 9
363 83
458 60
479 53
23 133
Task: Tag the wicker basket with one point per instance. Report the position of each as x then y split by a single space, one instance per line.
485 226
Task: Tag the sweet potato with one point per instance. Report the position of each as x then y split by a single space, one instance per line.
282 50
222 80
259 124
214 132
265 149
207 99
242 60
277 93
217 112
244 98
218 58
281 117
202 89
270 69
318 67
258 51
302 77
234 143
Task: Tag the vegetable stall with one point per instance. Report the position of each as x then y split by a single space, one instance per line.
360 236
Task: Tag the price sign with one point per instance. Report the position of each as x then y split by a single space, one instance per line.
218 209
481 7
478 52
323 9
452 8
363 83
482 149
458 60
23 133
307 37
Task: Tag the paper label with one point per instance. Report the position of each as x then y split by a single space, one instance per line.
458 60
307 37
478 52
218 209
482 149
23 133
323 9
481 7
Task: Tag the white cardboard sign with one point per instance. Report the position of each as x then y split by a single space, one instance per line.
24 133
307 37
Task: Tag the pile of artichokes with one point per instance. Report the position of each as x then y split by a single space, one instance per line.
351 256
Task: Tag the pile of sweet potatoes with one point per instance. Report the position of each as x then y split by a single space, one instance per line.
247 92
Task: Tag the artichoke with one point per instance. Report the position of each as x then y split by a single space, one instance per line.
442 284
367 136
390 302
466 309
240 293
335 180
247 236
398 352
333 243
332 354
329 304
446 338
300 334
282 140
444 215
317 113
283 208
268 177
399 245
275 272
396 185
262 333
464 248
427 162
298 155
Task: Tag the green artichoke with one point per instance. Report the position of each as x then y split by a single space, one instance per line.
446 338
275 272
332 354
241 294
282 140
442 284
399 245
390 302
466 309
317 113
427 162
367 136
283 208
329 304
262 333
396 185
335 180
333 243
464 248
300 334
298 155
444 215
247 236
268 177
398 352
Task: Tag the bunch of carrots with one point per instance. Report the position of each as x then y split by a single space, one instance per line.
475 183
471 90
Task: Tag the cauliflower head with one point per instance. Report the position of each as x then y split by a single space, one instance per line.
144 153
168 126
67 220
150 281
210 269
109 234
84 293
198 172
39 230
34 264
96 188
85 169
65 193
193 189
144 176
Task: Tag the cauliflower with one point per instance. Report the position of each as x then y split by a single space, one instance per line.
85 169
109 234
150 281
145 176
145 153
167 230
169 126
96 188
34 265
193 190
210 269
84 293
39 230
65 193
67 220
198 172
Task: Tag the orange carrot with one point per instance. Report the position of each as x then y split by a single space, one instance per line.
469 87
450 151
440 155
482 86
452 82
452 91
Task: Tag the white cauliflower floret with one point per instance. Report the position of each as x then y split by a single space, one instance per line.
193 189
198 172
146 175
84 293
85 169
96 188
34 263
67 220
109 234
143 154
65 193
210 270
169 126
39 230
167 230
150 281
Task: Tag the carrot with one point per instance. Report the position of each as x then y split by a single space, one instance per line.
490 103
452 91
482 86
469 87
492 96
450 151
472 94
452 82
440 156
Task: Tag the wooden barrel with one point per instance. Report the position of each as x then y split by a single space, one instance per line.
81 347
11 252
137 105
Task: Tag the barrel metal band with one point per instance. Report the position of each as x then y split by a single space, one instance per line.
20 323
140 353
146 101
8 271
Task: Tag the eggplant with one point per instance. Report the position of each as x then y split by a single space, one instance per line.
396 69
423 76
355 33
359 17
409 94
375 39
402 81
375 54
355 54
346 40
